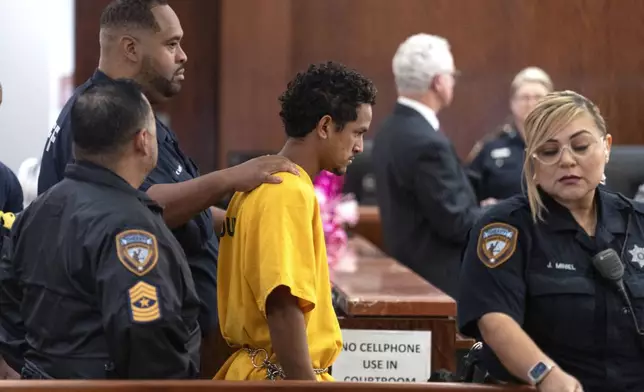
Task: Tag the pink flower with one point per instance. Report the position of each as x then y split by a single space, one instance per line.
346 211
336 210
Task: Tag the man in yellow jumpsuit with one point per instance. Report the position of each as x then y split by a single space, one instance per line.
274 292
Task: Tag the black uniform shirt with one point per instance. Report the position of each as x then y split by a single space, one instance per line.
11 196
542 276
197 237
498 167
100 283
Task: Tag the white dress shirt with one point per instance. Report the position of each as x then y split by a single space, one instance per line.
424 110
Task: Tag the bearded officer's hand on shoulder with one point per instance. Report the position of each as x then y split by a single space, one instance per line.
251 174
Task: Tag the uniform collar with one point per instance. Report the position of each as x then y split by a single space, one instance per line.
610 214
163 133
511 133
424 110
89 172
100 76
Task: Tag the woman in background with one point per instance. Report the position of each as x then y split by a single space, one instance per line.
497 160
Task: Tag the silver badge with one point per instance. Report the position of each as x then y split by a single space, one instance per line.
637 255
500 153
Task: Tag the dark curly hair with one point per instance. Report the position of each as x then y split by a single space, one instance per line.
324 89
131 14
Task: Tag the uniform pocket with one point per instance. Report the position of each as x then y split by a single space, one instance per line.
635 288
542 285
560 309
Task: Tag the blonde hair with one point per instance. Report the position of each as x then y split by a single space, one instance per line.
531 75
551 114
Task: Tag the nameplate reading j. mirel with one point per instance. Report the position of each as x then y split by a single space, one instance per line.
384 356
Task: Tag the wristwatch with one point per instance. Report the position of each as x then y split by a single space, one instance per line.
538 372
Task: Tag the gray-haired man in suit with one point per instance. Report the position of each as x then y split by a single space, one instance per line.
426 201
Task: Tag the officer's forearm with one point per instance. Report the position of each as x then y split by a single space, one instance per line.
514 348
184 200
288 335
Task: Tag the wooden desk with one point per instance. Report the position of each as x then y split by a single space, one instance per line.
463 342
362 247
378 293
369 226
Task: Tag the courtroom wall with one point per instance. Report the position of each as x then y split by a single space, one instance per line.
230 99
593 47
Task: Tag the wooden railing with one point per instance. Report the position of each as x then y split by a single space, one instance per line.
223 386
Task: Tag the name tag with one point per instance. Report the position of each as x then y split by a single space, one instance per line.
562 266
500 153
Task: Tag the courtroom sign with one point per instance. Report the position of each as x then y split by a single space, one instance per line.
384 356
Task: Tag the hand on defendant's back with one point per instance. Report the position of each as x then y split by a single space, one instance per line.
250 174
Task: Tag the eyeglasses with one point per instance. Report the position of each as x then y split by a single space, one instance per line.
550 154
527 98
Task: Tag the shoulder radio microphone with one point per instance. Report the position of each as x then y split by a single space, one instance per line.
610 266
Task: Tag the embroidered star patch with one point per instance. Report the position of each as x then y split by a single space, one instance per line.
497 243
137 250
144 303
637 255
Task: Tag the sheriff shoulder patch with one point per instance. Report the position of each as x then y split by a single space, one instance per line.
144 303
137 250
497 243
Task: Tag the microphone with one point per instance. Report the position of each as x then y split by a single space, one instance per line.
610 266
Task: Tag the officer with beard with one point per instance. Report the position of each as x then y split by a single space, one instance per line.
141 40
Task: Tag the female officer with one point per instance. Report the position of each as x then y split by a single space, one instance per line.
497 161
528 286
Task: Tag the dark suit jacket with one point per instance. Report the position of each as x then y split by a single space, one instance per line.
427 204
